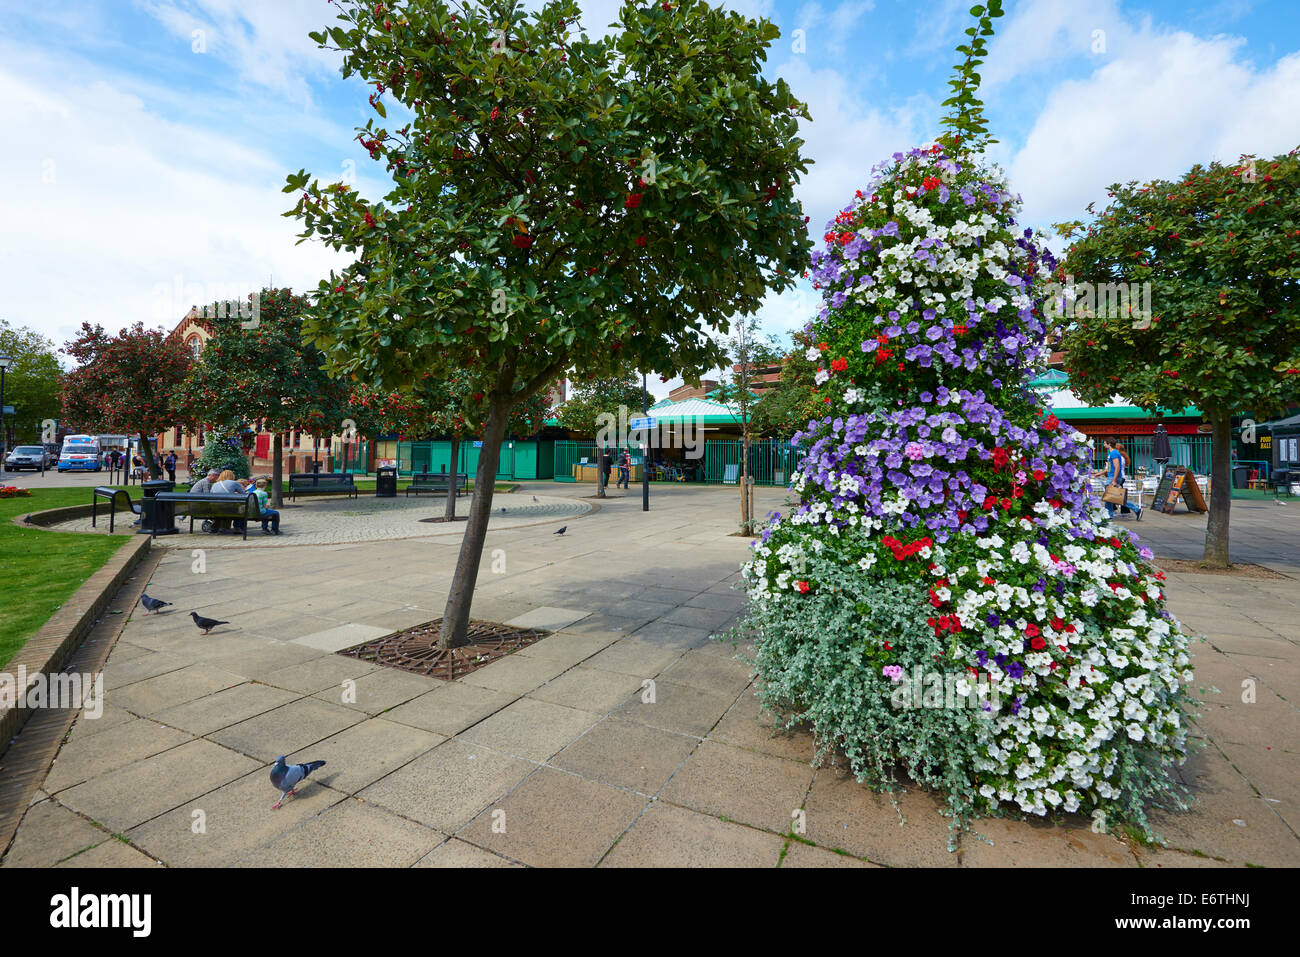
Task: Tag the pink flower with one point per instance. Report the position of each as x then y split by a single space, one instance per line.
892 672
914 451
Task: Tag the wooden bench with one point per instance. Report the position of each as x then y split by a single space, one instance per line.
321 483
117 498
209 505
437 482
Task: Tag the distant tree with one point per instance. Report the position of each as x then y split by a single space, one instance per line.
1219 247
125 383
267 372
435 407
792 403
601 396
32 384
222 450
746 352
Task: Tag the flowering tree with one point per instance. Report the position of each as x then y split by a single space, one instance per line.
126 383
436 407
1218 246
558 203
267 372
947 596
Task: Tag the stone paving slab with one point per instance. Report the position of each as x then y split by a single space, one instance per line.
626 754
213 712
287 730
234 820
718 780
555 820
344 636
455 853
447 787
667 836
54 834
548 619
131 795
349 834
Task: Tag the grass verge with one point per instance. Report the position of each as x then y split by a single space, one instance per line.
40 570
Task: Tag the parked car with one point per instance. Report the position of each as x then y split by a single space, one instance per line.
33 457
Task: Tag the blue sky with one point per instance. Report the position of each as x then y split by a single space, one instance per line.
143 161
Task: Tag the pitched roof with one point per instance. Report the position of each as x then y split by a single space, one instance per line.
701 411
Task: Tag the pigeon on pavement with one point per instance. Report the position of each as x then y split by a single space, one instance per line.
286 777
152 604
561 529
207 624
534 498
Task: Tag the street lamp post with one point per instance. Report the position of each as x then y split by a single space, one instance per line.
645 449
6 363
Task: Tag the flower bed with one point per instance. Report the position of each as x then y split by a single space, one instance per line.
948 596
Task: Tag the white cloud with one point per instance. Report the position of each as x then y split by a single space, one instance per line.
1169 102
110 205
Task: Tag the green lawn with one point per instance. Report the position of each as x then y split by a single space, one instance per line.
40 570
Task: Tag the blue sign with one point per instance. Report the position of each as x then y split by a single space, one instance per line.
640 425
478 445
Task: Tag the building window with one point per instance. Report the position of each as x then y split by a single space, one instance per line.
195 345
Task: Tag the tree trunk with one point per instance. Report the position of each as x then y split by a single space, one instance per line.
277 469
455 618
1216 527
450 513
146 451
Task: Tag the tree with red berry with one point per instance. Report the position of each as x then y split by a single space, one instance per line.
265 372
558 204
1220 247
125 383
435 408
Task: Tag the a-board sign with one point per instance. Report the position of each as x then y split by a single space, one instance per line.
731 474
1178 481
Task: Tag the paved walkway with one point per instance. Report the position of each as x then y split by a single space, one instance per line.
626 738
339 520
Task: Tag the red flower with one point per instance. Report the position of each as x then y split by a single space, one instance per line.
1173 374
1051 422
495 114
633 201
1031 630
1037 644
1058 623
959 330
640 240
803 587
1039 475
840 364
1006 504
930 182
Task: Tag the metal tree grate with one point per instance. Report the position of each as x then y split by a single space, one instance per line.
416 649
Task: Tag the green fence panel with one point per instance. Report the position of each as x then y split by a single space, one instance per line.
771 461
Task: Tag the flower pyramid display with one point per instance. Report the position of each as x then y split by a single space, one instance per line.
946 537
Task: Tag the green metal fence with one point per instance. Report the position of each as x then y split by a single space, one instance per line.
569 457
770 461
350 456
520 458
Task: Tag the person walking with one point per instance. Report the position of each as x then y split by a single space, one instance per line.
606 466
1117 461
624 470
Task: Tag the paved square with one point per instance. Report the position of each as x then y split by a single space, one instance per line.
627 737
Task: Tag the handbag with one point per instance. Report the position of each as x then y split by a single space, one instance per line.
1115 495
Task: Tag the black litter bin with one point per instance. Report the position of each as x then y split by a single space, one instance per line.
157 518
386 481
1240 476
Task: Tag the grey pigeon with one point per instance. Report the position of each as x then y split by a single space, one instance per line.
561 530
207 624
534 498
286 777
503 508
152 604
